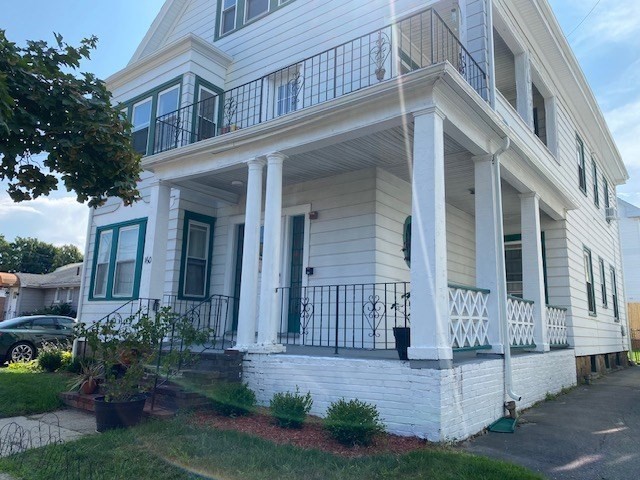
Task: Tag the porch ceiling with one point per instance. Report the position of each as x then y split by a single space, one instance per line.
388 149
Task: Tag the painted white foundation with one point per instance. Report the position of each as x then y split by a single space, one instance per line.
439 405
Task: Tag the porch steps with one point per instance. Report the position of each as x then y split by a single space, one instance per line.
87 403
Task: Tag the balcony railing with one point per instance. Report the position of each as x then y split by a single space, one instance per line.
410 44
521 322
557 326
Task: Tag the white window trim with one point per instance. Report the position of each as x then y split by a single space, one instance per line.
246 12
235 18
69 295
206 259
117 259
56 298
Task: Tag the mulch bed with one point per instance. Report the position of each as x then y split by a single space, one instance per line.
310 436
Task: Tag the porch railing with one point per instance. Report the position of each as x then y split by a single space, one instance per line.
358 316
468 317
521 322
214 314
557 326
416 42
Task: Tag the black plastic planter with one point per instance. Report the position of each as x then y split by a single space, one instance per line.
403 341
110 415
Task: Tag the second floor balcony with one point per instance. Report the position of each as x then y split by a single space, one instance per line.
410 44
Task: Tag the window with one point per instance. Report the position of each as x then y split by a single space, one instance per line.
513 267
596 194
197 243
117 261
255 8
228 17
588 272
235 14
45 323
69 295
603 283
607 204
582 174
287 97
206 114
167 134
141 120
614 291
56 298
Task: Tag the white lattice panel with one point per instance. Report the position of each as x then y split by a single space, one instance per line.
469 318
557 325
520 315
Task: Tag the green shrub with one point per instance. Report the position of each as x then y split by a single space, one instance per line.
232 399
52 355
74 366
353 422
24 367
290 409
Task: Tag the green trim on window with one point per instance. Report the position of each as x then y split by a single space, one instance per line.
201 82
274 5
153 94
210 221
596 191
516 237
115 228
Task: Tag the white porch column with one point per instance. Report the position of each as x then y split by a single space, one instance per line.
268 319
532 267
250 257
429 289
524 90
487 272
155 250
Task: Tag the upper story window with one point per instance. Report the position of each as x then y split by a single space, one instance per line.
117 261
614 291
255 8
603 283
141 120
228 16
605 193
582 171
145 110
596 193
234 14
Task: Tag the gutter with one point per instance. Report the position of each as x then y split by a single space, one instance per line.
502 286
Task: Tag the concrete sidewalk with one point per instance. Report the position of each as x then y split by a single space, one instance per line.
591 433
44 428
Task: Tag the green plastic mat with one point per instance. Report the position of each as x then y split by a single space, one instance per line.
503 425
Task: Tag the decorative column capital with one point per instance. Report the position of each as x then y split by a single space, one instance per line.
482 158
276 158
256 163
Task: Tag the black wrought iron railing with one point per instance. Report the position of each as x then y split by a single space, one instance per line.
410 44
132 309
214 315
360 316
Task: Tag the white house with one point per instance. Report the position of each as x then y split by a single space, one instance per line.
286 145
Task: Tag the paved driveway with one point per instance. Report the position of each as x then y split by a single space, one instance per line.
591 433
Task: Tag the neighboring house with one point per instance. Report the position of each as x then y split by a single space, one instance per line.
7 299
31 292
629 222
285 145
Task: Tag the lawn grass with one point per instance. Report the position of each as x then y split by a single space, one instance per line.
24 393
176 449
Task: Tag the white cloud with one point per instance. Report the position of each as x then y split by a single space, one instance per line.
624 122
610 22
60 220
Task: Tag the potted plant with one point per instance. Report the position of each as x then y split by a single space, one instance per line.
402 334
87 380
128 349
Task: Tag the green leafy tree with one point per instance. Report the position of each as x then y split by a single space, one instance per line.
30 255
46 109
5 254
65 255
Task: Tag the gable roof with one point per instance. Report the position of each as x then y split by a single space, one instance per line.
169 13
627 209
65 276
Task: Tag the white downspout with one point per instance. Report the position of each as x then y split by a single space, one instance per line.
502 286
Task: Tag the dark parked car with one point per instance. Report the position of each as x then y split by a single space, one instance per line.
21 337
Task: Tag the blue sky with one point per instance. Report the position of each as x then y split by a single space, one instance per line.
606 45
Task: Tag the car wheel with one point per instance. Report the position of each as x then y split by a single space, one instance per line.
22 352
